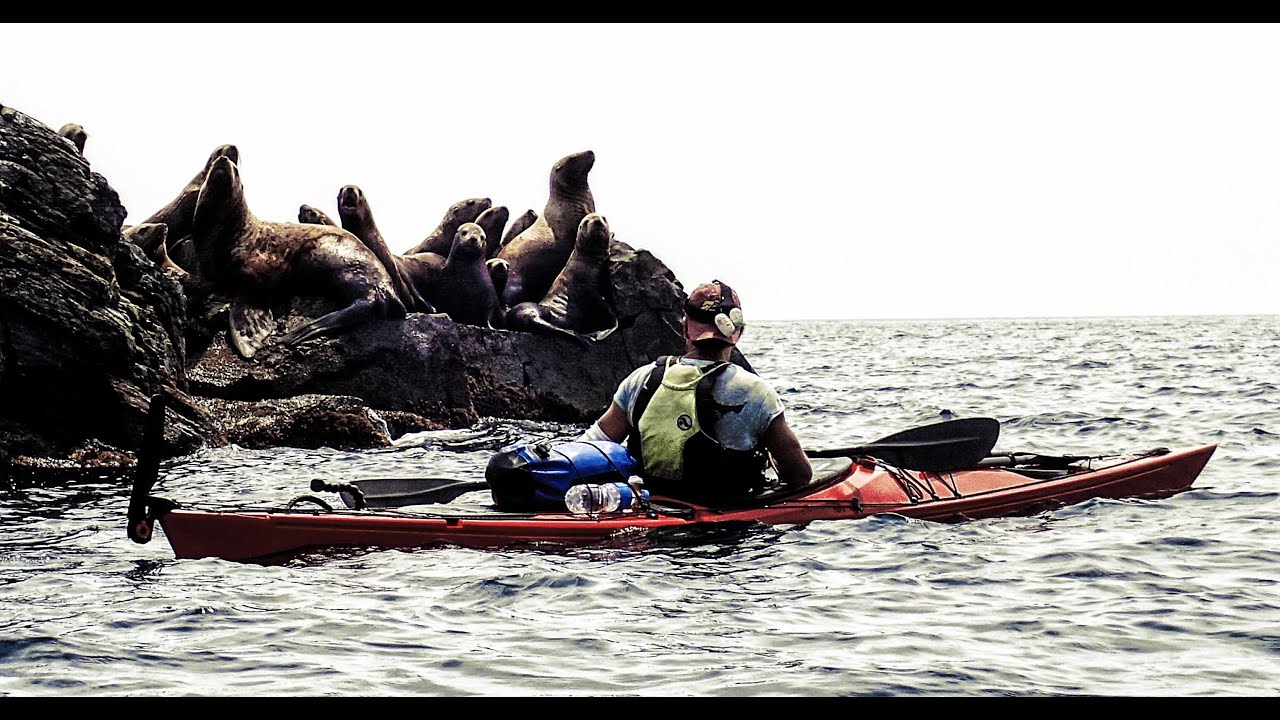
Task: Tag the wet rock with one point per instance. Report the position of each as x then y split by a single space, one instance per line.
89 327
305 421
431 366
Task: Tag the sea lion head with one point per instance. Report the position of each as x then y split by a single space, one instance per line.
495 217
570 171
221 213
468 241
75 134
499 270
221 185
148 236
231 152
493 221
594 235
468 210
312 216
350 199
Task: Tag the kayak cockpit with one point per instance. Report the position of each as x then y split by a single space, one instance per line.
826 471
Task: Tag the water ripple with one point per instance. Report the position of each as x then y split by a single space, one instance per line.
1141 598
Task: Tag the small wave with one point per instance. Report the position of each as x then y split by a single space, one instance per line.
1177 541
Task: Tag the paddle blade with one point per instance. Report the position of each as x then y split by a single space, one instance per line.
147 471
940 447
399 492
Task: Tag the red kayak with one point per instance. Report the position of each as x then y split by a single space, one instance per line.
843 488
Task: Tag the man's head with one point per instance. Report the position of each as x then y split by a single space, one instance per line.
713 316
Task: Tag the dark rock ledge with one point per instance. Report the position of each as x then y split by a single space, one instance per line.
90 328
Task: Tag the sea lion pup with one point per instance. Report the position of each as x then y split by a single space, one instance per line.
576 304
259 263
180 211
357 219
492 221
463 288
75 134
539 253
519 225
440 240
498 270
151 238
314 216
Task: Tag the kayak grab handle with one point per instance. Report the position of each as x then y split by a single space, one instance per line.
354 493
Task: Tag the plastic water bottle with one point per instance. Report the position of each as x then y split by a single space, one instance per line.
603 498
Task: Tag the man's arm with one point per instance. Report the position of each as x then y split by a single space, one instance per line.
613 425
783 445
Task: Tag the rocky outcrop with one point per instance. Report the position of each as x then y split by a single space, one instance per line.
435 368
311 421
89 328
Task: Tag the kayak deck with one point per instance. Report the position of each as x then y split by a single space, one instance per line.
862 488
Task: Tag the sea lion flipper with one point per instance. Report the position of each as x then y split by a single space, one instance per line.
357 312
599 335
419 302
498 318
538 324
250 326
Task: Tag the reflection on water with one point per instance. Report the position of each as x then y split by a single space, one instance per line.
1134 597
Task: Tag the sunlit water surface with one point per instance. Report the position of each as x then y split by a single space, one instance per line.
1178 596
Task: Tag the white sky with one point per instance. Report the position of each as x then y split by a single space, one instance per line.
825 171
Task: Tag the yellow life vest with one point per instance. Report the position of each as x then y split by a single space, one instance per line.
674 416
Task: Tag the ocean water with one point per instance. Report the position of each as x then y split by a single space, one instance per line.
1171 597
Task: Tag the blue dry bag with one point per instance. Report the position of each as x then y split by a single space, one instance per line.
533 477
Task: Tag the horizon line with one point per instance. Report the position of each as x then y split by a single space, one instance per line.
1022 317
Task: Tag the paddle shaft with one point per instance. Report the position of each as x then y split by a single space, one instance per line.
147 471
940 447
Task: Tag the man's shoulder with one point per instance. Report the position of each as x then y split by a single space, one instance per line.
741 377
638 376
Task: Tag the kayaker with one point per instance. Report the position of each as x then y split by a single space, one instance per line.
701 427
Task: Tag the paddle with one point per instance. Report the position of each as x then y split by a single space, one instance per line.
940 447
398 492
147 471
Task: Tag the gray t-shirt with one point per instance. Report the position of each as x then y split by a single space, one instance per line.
734 386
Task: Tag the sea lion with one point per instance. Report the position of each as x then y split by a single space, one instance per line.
519 225
463 288
314 216
151 238
492 221
260 262
440 240
422 272
357 218
75 134
180 211
539 253
498 271
576 304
